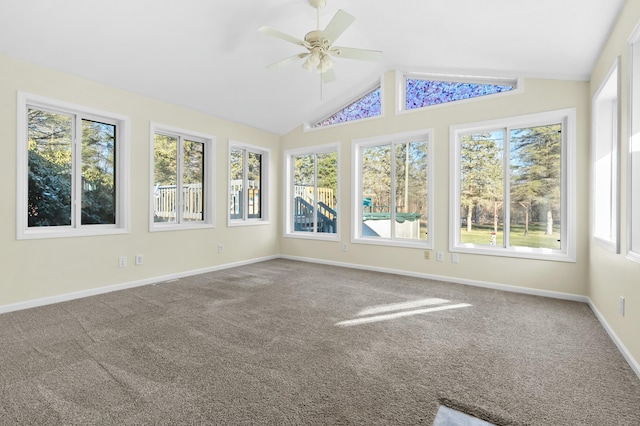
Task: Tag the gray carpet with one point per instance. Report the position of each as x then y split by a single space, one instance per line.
262 344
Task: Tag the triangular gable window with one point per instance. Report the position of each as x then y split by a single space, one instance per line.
426 92
366 106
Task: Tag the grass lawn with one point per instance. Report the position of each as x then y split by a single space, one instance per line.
481 234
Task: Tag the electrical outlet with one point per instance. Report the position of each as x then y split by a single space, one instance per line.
427 255
139 259
622 305
122 261
345 247
455 258
440 256
220 248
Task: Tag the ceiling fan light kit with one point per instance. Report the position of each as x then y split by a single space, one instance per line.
319 44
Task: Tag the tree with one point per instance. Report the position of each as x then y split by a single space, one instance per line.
50 168
536 171
165 159
481 169
98 173
376 175
49 199
411 177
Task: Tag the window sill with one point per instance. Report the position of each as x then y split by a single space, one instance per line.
419 244
44 233
179 227
520 253
633 256
235 223
605 244
313 236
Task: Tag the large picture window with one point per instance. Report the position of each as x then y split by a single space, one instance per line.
514 189
312 192
73 175
605 158
392 195
633 164
181 179
248 171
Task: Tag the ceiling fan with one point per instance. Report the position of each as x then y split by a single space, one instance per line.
319 45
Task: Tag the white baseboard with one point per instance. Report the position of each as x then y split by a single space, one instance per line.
635 366
474 283
123 286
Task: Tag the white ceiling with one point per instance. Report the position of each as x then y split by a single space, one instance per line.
208 55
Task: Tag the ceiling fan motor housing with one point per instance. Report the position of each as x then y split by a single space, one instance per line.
318 4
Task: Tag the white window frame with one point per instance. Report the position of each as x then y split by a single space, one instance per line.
401 87
208 182
78 112
356 188
264 183
289 166
633 159
567 252
605 139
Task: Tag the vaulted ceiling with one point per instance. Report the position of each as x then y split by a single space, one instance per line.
208 55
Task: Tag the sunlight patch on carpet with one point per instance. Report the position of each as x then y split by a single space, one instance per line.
396 315
391 307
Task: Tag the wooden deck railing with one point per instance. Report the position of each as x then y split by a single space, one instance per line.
165 200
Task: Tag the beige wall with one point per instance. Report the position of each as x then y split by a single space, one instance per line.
613 275
33 269
538 96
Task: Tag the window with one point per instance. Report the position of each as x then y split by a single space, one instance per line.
247 180
392 203
633 203
73 170
514 189
605 157
366 106
419 91
312 192
182 178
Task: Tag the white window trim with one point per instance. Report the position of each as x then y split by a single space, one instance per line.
633 153
209 178
335 107
568 182
289 231
24 232
401 90
356 189
612 244
264 180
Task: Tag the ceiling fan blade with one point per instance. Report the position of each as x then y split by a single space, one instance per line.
282 36
339 23
328 76
353 53
283 63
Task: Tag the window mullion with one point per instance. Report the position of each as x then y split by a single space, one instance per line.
613 183
564 185
506 199
76 173
392 203
315 193
245 184
179 179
